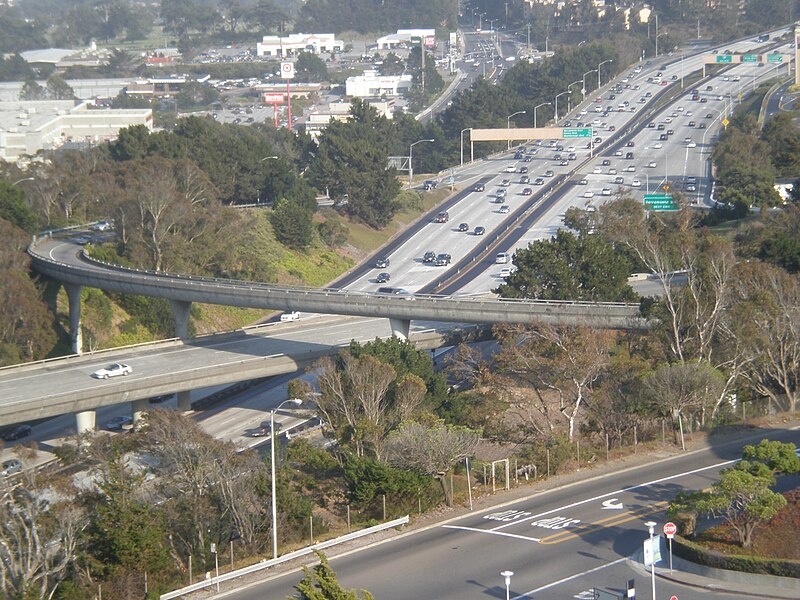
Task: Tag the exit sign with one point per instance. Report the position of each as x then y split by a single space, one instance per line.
749 58
579 132
724 58
775 58
659 202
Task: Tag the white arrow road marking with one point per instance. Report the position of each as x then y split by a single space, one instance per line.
612 503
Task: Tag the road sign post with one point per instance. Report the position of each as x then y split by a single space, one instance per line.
576 132
670 529
659 202
724 58
775 58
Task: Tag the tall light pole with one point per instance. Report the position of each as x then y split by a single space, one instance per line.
507 575
508 122
557 95
539 106
569 98
462 144
656 16
296 402
610 60
651 527
411 159
583 89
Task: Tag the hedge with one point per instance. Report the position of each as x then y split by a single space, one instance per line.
734 562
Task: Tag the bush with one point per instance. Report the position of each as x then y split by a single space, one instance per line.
747 564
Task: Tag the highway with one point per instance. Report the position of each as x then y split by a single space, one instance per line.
559 543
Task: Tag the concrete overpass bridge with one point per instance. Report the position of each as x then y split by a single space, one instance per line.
57 387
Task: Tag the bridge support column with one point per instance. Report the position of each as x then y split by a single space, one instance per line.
180 310
139 410
184 401
400 328
76 337
85 421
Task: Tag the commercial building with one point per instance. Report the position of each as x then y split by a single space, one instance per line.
295 43
28 127
373 84
340 111
404 37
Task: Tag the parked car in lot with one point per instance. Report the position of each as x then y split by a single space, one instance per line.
606 191
118 423
15 433
11 466
112 371
502 258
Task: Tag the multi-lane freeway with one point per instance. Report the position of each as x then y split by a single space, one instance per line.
559 544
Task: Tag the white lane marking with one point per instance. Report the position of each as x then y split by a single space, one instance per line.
570 578
492 532
555 522
612 503
620 491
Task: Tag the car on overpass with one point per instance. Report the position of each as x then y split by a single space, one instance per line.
112 371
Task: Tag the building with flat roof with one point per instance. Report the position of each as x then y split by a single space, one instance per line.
295 43
403 36
317 121
373 84
28 127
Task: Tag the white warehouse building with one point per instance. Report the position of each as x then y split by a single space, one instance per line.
295 43
31 126
404 36
372 84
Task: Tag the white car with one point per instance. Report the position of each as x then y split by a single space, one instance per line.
636 183
597 170
658 145
112 371
102 226
506 271
629 169
502 258
652 164
606 191
691 144
510 169
290 316
588 194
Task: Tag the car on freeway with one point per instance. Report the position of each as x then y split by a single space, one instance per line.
636 183
563 163
11 466
442 217
527 191
527 159
463 227
549 173
382 263
479 230
442 260
265 429
395 292
510 169
102 226
501 193
691 187
82 240
429 256
479 187
18 432
429 185
523 169
118 423
505 182
538 181
504 210
383 278
112 371
288 317
525 179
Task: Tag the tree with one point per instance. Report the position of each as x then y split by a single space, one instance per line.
31 90
292 223
321 584
780 457
431 449
310 67
567 267
268 16
14 208
59 89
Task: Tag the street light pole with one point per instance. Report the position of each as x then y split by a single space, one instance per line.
411 160
462 144
651 527
610 60
557 95
296 402
539 106
583 89
21 180
508 123
507 575
569 98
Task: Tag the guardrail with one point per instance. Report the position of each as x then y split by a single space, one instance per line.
265 564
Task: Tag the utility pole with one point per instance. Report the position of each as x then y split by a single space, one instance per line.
422 51
529 39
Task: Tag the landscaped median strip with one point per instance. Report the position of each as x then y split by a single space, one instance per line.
265 564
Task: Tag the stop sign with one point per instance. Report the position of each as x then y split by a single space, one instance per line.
673 598
670 529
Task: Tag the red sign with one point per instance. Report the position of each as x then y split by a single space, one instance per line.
274 98
670 529
673 598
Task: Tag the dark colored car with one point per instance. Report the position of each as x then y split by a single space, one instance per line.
383 278
463 227
480 230
429 256
264 429
429 185
606 162
479 187
442 260
523 169
525 179
382 263
20 431
160 399
527 192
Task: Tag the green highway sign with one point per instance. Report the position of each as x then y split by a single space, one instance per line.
749 58
659 202
580 132
724 58
775 58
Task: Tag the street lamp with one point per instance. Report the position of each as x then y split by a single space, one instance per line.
267 158
21 180
569 98
651 527
296 402
539 106
508 122
583 89
462 144
557 95
610 60
507 575
411 158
